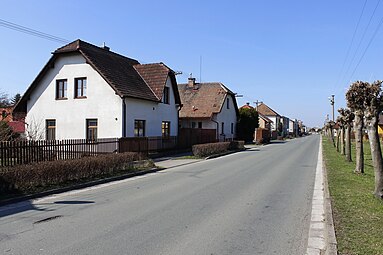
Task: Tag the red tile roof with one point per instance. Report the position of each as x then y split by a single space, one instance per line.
204 99
125 75
267 111
17 126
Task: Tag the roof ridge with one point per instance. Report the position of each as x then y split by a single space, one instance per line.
80 44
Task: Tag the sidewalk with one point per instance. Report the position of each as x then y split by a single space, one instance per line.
175 160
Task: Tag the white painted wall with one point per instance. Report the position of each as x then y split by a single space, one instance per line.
274 119
153 113
226 116
101 103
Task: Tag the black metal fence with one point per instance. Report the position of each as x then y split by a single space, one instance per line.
25 152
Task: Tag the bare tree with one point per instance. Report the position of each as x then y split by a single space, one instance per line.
4 100
34 129
355 97
341 123
348 119
372 108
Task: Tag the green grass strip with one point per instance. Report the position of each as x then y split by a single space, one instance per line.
358 216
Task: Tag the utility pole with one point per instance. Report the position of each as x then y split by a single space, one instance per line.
257 103
332 102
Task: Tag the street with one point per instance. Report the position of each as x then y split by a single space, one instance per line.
252 202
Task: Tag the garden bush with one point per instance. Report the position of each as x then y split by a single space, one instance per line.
208 149
28 178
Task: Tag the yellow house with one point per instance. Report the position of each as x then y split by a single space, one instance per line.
380 125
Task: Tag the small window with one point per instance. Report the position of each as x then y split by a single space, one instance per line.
61 89
50 132
91 129
166 129
165 97
232 128
139 128
222 128
227 103
193 124
199 124
80 88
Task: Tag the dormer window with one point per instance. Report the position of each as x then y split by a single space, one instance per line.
165 97
80 88
61 89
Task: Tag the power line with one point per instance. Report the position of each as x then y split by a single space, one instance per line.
30 31
362 38
368 45
352 41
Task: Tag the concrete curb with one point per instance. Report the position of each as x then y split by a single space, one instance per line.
321 238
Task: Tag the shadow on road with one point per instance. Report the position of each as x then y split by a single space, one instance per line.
73 202
20 207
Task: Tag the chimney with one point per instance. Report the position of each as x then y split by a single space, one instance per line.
248 104
191 82
105 47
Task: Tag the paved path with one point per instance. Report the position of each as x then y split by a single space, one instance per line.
253 202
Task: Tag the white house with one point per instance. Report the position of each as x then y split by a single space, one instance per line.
86 91
276 126
209 106
293 127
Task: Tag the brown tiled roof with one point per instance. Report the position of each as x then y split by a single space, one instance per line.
155 76
125 75
204 100
247 106
116 69
267 111
264 117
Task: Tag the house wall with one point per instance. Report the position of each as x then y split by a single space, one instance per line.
153 113
228 117
274 119
70 114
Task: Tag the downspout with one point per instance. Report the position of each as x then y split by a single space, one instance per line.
123 117
217 133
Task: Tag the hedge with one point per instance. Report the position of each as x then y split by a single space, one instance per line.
29 178
208 149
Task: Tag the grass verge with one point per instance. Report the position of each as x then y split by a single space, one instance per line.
358 215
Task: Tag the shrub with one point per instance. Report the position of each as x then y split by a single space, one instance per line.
208 149
27 178
237 145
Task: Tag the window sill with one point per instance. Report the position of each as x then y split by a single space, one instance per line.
80 97
62 98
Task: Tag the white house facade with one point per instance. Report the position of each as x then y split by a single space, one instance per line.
209 106
89 92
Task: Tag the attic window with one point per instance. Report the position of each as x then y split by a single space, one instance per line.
165 97
227 103
61 89
80 88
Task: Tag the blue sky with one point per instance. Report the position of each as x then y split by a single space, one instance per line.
289 54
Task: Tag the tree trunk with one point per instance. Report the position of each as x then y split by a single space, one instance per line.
337 141
342 148
348 143
332 136
359 144
376 154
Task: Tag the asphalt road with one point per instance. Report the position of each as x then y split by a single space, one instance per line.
253 202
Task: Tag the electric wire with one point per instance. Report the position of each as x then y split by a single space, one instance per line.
30 31
352 42
368 45
361 39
